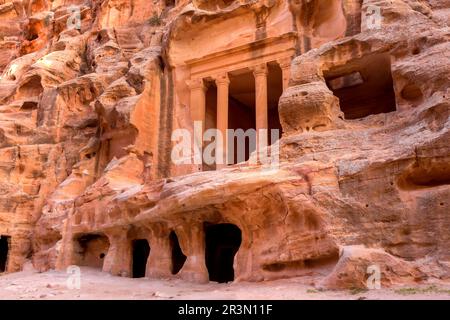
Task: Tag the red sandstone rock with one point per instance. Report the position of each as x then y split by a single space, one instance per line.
87 114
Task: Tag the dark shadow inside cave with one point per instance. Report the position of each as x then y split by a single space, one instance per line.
222 244
141 252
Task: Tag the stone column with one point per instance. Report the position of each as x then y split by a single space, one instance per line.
285 65
192 242
118 259
198 99
260 73
65 256
222 82
262 120
198 109
160 260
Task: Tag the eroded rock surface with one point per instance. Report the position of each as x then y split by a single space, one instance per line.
91 92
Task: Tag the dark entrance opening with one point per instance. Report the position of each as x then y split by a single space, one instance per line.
170 3
4 248
222 243
178 257
364 86
141 251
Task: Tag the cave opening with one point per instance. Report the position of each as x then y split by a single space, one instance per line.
141 252
31 88
29 105
170 3
4 251
426 173
30 36
222 243
178 257
242 111
91 249
364 86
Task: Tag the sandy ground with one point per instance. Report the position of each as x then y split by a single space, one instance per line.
95 285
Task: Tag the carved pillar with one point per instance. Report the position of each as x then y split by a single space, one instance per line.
118 258
222 82
160 260
260 73
198 100
262 121
65 256
192 243
198 109
285 65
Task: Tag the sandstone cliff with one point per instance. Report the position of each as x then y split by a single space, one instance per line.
91 92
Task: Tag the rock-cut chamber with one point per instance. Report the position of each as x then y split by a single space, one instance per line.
222 244
4 250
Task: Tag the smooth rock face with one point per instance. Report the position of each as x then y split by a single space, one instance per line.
91 92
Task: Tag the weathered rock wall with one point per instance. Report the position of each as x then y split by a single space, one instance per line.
86 118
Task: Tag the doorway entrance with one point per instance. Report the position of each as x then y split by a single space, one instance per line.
222 244
4 249
364 86
141 252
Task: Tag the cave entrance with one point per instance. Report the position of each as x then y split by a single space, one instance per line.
31 88
222 244
170 3
178 257
141 252
4 250
91 250
364 86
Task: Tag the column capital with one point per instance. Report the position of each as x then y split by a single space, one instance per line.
284 62
222 78
260 69
196 83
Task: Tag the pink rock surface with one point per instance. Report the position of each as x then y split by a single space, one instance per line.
87 114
